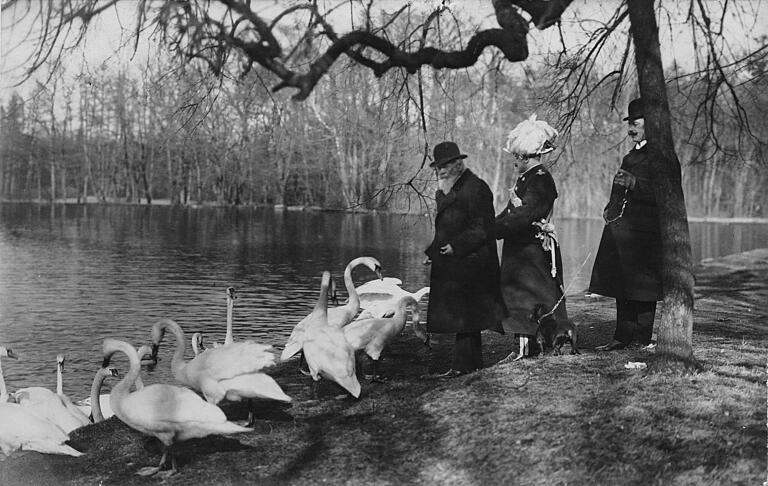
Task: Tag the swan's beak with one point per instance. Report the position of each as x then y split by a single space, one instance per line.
378 272
11 354
106 360
155 349
231 292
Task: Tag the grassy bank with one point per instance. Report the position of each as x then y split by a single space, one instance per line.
554 420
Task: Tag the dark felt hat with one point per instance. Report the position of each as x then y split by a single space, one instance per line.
446 152
635 110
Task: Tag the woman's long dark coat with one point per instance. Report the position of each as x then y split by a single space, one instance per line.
526 279
628 261
463 294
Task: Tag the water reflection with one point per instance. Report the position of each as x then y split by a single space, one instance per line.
71 275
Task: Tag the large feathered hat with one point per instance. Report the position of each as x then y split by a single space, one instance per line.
531 137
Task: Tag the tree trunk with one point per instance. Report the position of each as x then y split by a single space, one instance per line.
676 326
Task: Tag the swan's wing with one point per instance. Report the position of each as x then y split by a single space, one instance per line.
230 361
155 406
342 315
328 352
20 429
358 333
376 285
255 385
293 344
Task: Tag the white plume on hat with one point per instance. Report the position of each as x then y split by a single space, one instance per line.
531 137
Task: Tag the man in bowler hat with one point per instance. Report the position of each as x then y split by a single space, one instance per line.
464 276
628 261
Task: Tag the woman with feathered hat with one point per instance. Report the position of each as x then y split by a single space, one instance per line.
531 267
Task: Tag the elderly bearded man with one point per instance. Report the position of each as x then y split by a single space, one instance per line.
464 290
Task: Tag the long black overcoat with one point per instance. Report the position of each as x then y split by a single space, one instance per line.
628 261
526 278
463 294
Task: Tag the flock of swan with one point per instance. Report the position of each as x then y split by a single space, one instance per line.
39 419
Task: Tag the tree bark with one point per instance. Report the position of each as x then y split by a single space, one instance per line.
676 326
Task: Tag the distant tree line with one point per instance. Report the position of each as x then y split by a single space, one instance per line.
357 142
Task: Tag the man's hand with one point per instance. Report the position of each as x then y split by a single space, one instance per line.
446 249
625 179
427 261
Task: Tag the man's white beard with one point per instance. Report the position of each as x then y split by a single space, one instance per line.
447 183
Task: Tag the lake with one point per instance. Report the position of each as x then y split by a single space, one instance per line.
72 275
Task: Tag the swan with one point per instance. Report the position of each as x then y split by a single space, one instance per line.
326 350
228 338
52 406
22 429
379 298
170 413
73 409
232 372
336 316
102 410
373 334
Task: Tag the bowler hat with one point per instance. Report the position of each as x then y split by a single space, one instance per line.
446 152
635 110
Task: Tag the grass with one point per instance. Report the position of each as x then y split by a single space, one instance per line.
554 420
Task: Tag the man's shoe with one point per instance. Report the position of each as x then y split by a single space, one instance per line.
611 346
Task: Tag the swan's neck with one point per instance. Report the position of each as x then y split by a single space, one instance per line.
123 387
3 390
177 362
354 299
59 380
98 380
321 307
228 339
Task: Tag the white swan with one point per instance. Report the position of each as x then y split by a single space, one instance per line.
52 406
327 352
336 316
232 372
102 410
374 334
170 413
22 429
73 409
379 298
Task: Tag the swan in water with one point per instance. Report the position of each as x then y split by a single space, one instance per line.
21 429
170 413
232 372
53 406
379 298
373 334
326 350
336 316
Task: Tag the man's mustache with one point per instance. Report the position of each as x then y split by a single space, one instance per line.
631 133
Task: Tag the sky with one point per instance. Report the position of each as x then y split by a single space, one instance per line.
109 42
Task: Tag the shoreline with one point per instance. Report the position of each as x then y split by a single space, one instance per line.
281 207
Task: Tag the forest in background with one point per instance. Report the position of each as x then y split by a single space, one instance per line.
358 142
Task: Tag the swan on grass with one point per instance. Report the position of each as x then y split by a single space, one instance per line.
326 350
336 316
170 413
103 410
233 372
100 409
379 298
52 406
373 334
21 429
